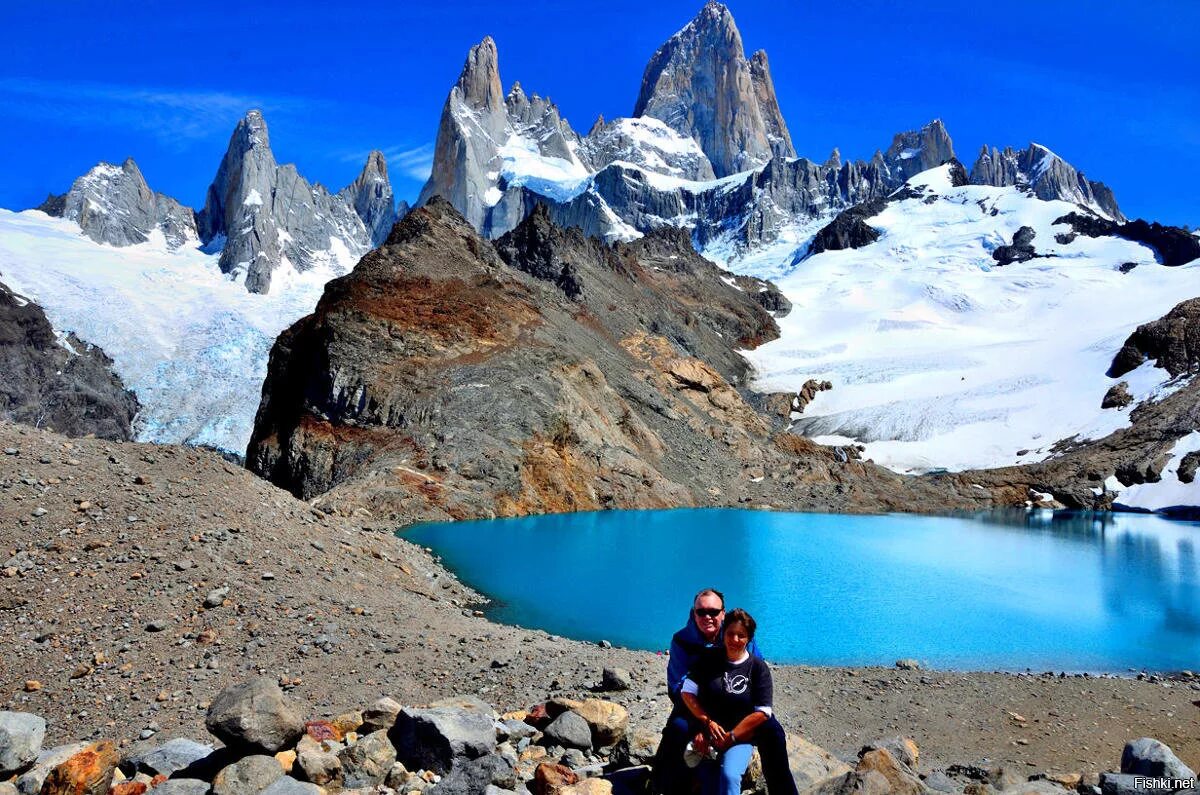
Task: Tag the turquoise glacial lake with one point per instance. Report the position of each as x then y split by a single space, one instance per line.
997 591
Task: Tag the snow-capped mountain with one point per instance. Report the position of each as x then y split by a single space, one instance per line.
708 150
259 216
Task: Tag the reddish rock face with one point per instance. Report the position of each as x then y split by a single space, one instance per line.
549 779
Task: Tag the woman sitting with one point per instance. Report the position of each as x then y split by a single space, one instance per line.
730 694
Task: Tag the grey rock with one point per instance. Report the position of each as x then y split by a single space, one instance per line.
1149 757
914 152
649 143
637 747
573 758
1123 784
64 384
286 785
171 756
1044 173
908 664
939 781
569 730
432 739
472 776
183 786
319 767
254 716
1172 341
380 715
21 735
700 83
216 597
518 730
368 761
615 679
897 747
261 213
30 782
1117 396
247 776
114 205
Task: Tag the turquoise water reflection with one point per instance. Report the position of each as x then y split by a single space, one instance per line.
1098 592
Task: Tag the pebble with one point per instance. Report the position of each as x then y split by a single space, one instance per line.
268 575
157 626
11 451
39 511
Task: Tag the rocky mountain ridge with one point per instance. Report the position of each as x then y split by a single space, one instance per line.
261 216
495 163
59 383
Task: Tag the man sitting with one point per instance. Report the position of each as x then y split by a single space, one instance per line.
700 636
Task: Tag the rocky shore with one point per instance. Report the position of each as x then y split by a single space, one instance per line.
137 582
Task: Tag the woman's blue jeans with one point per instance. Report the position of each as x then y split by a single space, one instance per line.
724 776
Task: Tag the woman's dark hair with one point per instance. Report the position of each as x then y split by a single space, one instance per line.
740 616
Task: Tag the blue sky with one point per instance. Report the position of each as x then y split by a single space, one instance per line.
1113 88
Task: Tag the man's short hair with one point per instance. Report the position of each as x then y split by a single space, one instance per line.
706 592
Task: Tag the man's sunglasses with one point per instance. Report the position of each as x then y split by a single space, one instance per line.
708 612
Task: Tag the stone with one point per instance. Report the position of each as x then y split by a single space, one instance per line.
1003 778
286 785
1172 341
87 772
812 765
286 760
21 735
216 597
869 782
182 786
1146 756
570 730
380 715
319 767
638 747
475 775
550 779
589 786
30 782
615 679
1117 396
170 757
253 773
1123 784
254 716
908 664
901 780
939 781
433 738
367 762
518 730
902 748
607 720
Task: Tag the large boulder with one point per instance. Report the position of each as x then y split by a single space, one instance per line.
900 778
478 775
182 786
606 720
1149 757
812 765
251 774
569 730
380 715
902 748
367 762
1172 341
286 785
254 716
433 738
30 782
168 758
87 772
637 747
21 735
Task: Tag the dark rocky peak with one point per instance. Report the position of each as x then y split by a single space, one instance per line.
919 150
114 205
370 194
1172 341
552 253
58 382
834 161
479 81
701 84
1173 245
1041 171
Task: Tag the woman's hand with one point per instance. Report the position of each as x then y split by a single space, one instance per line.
700 743
718 735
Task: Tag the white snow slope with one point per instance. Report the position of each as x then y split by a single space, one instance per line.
191 343
940 358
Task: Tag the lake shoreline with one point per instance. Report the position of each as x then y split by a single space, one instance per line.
108 616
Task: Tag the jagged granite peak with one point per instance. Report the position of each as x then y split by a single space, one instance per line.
370 194
1047 175
918 150
834 161
114 205
265 216
58 381
478 121
649 143
701 84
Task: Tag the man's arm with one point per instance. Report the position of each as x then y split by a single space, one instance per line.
678 664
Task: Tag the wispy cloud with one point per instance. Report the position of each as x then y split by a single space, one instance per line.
176 116
414 162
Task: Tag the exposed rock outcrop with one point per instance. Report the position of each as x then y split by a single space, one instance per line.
914 152
1172 341
701 84
265 216
62 383
114 205
1174 246
1046 174
1020 250
848 229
